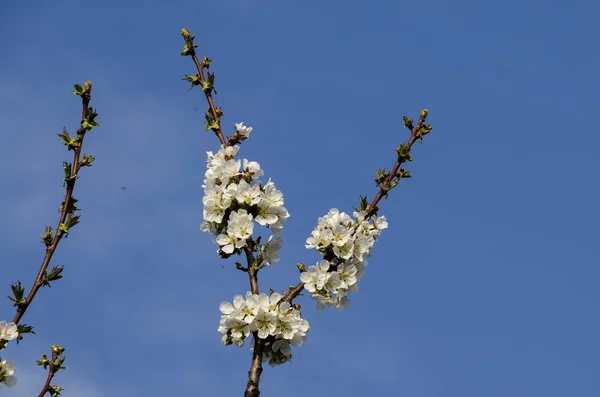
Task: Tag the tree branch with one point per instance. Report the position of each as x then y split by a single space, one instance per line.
416 133
54 365
200 66
68 208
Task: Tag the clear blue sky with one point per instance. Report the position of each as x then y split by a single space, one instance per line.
486 282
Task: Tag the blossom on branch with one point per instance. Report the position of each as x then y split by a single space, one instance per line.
274 320
234 198
8 331
344 242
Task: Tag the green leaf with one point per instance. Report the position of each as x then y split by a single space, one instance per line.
47 236
70 142
194 80
53 275
18 293
425 129
408 123
78 89
89 121
363 204
403 153
188 49
25 329
209 84
87 160
72 221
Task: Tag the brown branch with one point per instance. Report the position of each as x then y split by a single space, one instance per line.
385 187
68 202
54 366
414 135
47 386
208 93
256 369
252 270
294 292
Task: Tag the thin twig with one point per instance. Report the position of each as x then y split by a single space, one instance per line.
68 202
51 372
208 93
54 366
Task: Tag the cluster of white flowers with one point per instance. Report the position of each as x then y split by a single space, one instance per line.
234 199
272 318
8 331
344 242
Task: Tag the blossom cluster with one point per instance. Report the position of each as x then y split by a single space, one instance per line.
8 331
344 243
273 319
235 199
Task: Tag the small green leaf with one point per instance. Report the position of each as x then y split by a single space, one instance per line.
53 275
70 142
78 89
89 121
47 236
18 293
408 123
425 129
194 80
25 329
87 160
403 153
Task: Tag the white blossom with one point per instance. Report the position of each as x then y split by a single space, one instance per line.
7 377
209 227
252 168
236 310
242 130
245 193
315 277
265 323
267 214
8 331
229 243
270 250
240 224
347 274
332 282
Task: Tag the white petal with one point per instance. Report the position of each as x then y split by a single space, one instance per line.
226 308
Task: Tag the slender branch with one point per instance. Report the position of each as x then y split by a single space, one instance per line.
207 92
252 270
51 372
414 135
54 365
293 293
66 206
385 187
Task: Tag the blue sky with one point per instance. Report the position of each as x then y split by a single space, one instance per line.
485 284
